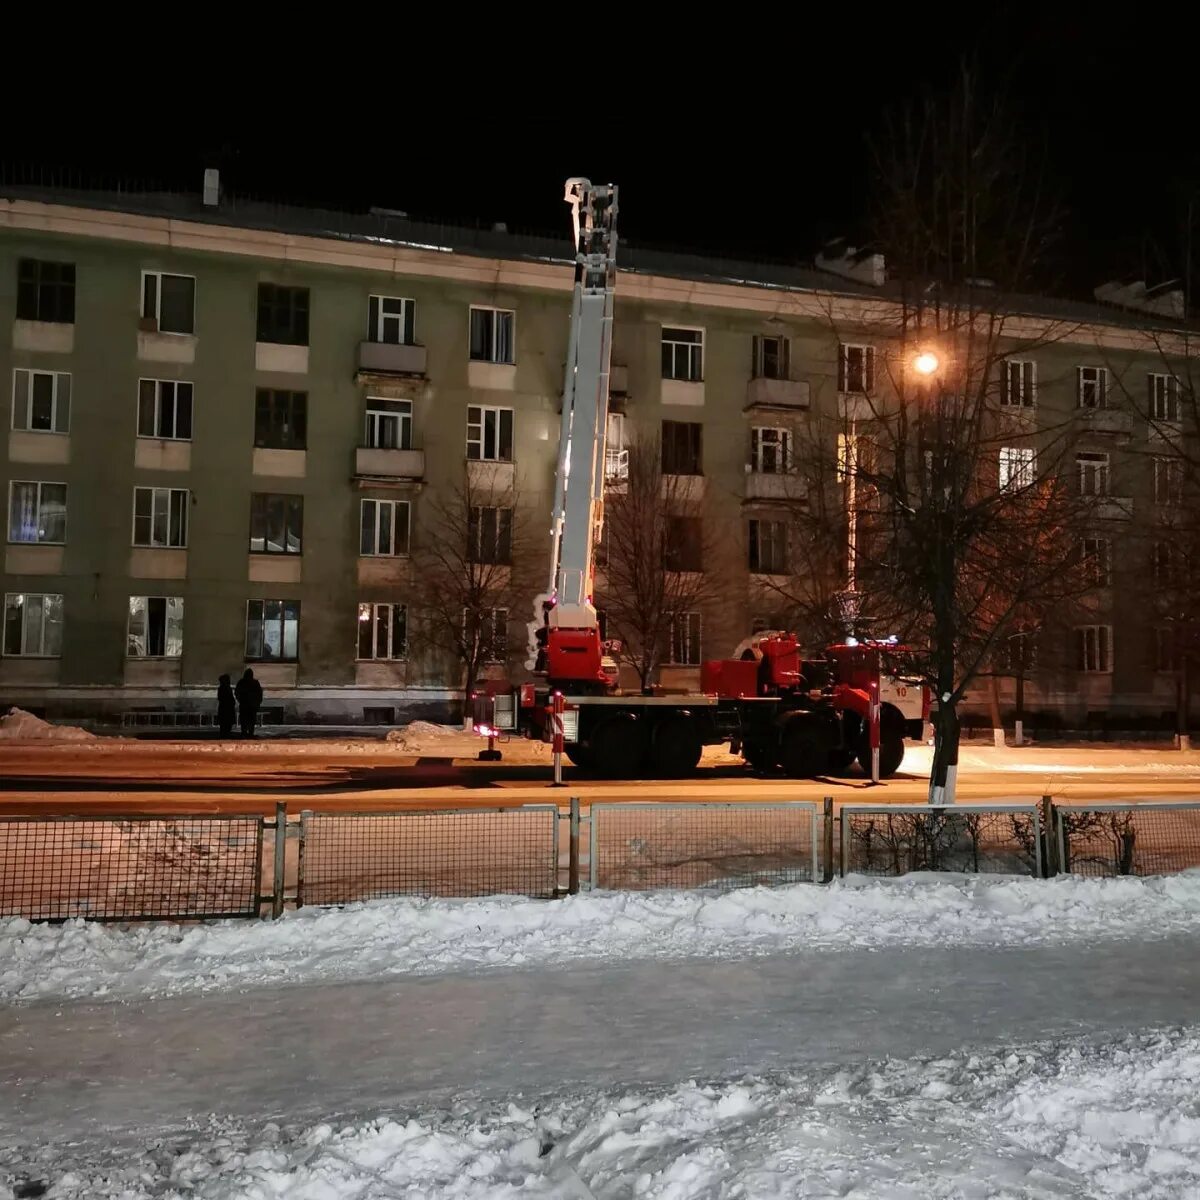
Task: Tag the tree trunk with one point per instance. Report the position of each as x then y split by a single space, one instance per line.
943 778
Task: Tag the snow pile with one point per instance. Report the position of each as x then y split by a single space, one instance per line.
1023 1123
409 937
418 735
19 725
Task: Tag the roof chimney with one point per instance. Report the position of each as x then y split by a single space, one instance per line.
212 187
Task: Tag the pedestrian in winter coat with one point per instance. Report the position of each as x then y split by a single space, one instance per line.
249 697
226 707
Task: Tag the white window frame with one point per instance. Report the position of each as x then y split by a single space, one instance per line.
1017 467
1091 377
1020 383
478 440
25 651
283 611
377 417
41 484
1094 649
476 536
172 629
1096 557
1092 469
868 368
160 386
158 497
1163 392
693 628
368 613
407 316
511 313
693 353
1168 482
60 400
777 445
760 340
778 544
398 540
156 315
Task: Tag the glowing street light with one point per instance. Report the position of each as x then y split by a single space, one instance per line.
926 363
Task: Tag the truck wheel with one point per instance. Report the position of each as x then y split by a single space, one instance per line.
676 749
891 755
803 753
759 756
841 758
580 755
617 748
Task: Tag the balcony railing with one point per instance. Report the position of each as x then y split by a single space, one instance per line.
390 358
777 393
616 466
389 464
1105 420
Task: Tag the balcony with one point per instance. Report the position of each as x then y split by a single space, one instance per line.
777 393
772 485
373 463
1111 421
1112 508
616 466
390 358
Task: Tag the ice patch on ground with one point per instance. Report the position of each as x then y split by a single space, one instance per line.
19 725
1022 1122
412 937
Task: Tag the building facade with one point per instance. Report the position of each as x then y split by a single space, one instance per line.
226 427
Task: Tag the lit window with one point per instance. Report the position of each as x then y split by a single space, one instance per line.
37 512
155 627
382 631
273 630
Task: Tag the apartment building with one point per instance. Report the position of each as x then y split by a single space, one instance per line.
227 424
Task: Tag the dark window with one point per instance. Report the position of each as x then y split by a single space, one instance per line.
490 535
160 516
283 314
489 433
683 354
280 419
390 319
273 630
770 357
681 448
169 301
165 409
492 335
856 368
276 524
382 631
684 546
768 547
46 291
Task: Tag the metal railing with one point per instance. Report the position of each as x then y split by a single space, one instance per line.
714 844
895 839
1147 838
346 857
162 719
130 868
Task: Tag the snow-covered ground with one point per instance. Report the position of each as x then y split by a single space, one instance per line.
414 937
1026 1122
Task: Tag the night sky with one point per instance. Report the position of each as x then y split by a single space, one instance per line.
747 140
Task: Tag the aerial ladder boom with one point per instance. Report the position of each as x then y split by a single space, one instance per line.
569 636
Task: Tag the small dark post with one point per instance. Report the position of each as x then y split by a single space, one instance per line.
280 860
573 850
827 866
1050 864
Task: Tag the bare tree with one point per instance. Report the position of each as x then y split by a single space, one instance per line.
466 564
656 561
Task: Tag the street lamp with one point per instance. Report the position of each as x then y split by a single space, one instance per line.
926 363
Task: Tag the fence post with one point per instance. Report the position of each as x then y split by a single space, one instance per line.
573 850
280 860
827 873
556 717
1050 864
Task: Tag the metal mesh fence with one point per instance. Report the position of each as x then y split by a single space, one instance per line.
897 839
703 845
1129 839
466 852
130 868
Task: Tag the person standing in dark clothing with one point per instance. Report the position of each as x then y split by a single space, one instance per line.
249 697
226 707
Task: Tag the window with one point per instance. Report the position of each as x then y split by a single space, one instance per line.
37 512
280 419
1020 384
684 546
1162 563
770 451
160 516
616 453
273 630
489 532
276 524
682 448
1168 481
683 354
1095 556
384 527
493 635
1164 397
390 319
283 314
165 409
1093 474
489 433
155 627
768 547
41 401
685 639
856 368
33 625
492 335
1165 658
169 301
45 291
1091 387
1018 466
770 357
1093 648
389 424
382 631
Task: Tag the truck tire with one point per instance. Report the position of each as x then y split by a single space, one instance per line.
841 759
891 743
618 748
760 756
803 748
580 755
676 748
